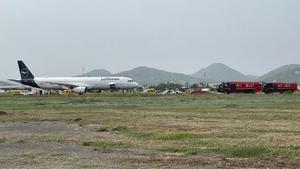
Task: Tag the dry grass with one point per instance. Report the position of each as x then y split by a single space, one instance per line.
234 130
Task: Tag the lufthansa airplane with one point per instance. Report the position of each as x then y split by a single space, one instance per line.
78 85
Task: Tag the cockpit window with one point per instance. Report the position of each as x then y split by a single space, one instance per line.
130 81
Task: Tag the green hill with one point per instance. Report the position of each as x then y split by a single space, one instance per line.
287 73
146 75
220 72
96 73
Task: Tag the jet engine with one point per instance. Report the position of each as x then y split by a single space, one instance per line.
113 86
80 90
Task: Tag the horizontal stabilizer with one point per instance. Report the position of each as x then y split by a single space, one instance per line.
15 80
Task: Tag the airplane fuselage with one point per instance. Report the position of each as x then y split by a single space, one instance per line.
91 83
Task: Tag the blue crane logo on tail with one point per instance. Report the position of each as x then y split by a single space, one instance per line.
24 73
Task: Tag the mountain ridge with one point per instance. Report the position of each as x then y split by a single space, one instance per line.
216 72
148 75
285 73
96 73
221 72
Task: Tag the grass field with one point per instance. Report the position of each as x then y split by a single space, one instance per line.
150 131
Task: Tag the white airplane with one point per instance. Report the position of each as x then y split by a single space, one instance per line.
78 85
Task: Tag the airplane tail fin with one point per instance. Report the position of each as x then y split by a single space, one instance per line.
24 71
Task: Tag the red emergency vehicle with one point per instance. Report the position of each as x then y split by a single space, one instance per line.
280 87
240 87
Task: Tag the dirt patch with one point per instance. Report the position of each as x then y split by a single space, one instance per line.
40 148
175 160
214 161
37 128
279 162
38 145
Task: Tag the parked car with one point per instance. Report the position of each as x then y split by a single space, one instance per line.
150 90
168 92
25 93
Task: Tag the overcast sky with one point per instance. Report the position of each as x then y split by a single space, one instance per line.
59 37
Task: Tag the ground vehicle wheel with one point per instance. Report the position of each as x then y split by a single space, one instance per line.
268 91
226 91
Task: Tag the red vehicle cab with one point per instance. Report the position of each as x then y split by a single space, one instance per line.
280 87
240 87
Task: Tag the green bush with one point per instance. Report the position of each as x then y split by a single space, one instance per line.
120 128
246 151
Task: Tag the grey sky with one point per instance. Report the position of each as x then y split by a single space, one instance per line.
58 37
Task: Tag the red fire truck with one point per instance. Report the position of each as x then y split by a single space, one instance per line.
240 87
280 87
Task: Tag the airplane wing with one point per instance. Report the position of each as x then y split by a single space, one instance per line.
64 85
14 87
